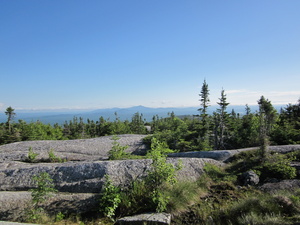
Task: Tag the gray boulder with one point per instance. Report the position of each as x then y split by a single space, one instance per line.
88 177
72 150
248 178
14 204
220 155
15 223
274 187
146 219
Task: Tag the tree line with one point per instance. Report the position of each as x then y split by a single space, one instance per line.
219 130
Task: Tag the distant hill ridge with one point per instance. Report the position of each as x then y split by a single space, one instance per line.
60 117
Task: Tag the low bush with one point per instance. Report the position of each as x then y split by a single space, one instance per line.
110 199
54 158
42 192
147 194
274 165
117 151
31 157
277 166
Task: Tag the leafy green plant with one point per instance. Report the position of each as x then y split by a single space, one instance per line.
274 165
31 157
53 158
117 151
277 166
59 217
110 198
148 194
42 192
44 189
294 156
160 200
161 173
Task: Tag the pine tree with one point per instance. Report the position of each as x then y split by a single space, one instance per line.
204 103
221 120
267 117
10 116
204 99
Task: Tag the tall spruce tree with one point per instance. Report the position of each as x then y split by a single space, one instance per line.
267 117
204 103
10 112
221 120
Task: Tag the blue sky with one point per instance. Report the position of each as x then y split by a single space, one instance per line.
98 54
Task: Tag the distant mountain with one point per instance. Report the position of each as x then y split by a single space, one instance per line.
127 113
60 117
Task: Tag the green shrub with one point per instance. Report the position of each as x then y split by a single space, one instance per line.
277 166
244 161
294 156
117 151
53 158
136 199
161 173
59 217
147 194
110 199
44 189
31 157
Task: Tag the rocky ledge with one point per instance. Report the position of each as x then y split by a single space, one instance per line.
79 179
73 150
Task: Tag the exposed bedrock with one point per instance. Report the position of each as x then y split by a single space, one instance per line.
224 155
72 150
88 177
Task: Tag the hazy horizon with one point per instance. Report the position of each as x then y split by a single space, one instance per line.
60 117
57 110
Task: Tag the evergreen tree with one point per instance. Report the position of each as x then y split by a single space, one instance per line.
221 121
247 134
287 130
268 114
204 142
10 112
267 117
204 99
138 124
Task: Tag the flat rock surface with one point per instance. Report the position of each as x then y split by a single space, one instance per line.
223 155
89 176
281 185
72 150
15 223
14 204
146 218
